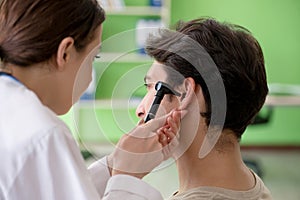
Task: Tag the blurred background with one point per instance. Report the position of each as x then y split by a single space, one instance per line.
271 146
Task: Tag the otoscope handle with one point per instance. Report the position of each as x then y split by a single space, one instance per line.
154 107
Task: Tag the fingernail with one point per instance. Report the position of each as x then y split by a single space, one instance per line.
141 122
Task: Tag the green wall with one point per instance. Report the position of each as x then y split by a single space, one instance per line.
276 25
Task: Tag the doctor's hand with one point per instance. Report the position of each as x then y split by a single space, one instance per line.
169 134
146 146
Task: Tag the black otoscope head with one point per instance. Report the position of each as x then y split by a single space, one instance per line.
162 89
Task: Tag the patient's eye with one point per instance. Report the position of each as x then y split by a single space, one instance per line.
148 86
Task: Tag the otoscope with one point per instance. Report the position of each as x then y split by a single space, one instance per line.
162 89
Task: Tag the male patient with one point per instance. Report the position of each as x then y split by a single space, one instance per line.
218 68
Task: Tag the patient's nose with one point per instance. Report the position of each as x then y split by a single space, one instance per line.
140 111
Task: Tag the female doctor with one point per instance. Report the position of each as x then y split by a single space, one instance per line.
47 47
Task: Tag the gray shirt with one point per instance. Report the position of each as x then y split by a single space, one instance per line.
258 192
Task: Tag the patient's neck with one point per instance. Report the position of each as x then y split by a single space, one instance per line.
222 167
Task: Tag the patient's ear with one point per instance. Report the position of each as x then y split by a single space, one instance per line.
63 52
189 89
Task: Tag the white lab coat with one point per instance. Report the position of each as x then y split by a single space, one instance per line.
41 161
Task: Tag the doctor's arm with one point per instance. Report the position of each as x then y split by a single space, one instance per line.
120 186
136 154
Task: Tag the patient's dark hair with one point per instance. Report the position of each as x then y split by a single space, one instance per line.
238 57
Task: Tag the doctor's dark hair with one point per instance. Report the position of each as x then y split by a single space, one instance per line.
237 55
32 30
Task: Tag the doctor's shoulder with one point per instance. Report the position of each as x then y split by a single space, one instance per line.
31 135
25 120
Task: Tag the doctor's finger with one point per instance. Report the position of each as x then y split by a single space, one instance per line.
173 124
163 138
157 123
154 124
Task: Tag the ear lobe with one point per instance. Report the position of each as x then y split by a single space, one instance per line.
63 52
187 96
